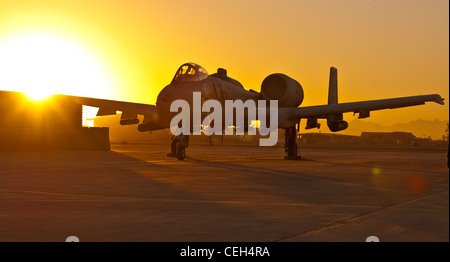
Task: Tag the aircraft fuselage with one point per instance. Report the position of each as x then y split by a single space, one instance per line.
212 87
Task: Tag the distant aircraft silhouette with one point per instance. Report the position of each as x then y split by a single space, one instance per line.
191 78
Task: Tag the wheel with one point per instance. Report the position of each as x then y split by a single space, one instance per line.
181 151
173 148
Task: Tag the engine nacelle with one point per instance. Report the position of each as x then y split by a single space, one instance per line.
286 90
337 126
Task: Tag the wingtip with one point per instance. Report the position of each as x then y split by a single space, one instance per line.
438 99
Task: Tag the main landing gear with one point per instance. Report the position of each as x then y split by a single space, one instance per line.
290 144
181 142
178 147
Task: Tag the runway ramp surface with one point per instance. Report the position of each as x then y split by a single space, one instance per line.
225 193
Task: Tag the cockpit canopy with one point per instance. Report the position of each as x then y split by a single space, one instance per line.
190 72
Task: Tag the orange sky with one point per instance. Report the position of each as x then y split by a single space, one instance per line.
382 49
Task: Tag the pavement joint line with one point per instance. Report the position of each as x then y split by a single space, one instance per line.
113 198
384 167
114 164
350 219
218 164
288 174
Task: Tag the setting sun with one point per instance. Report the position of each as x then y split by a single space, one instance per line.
41 65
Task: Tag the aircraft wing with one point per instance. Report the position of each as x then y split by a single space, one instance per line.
109 107
364 107
130 111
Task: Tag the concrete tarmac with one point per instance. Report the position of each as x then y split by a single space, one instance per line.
228 193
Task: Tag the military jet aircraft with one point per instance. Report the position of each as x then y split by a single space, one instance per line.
191 77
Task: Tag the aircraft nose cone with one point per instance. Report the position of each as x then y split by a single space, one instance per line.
164 99
163 103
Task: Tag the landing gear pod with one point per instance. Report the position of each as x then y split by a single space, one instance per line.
337 126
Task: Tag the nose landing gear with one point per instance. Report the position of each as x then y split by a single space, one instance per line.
178 147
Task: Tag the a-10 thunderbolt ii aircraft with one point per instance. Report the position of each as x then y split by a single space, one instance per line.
191 77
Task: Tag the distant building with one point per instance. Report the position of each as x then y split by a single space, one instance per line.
393 138
55 123
327 138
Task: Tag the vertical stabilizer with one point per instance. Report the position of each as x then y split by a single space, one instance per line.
332 90
336 121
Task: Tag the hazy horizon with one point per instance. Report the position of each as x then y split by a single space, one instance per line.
420 128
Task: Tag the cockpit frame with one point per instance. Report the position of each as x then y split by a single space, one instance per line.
190 72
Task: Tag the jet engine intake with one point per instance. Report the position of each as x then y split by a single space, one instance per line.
337 126
286 90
